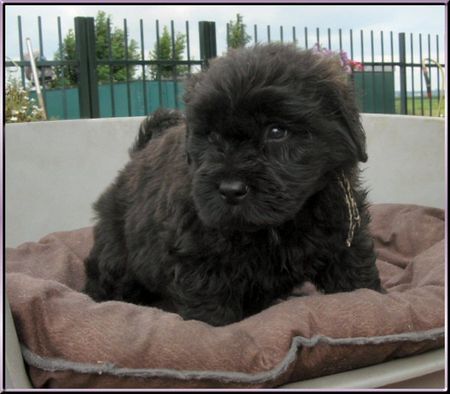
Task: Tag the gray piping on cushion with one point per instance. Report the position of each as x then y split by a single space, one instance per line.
54 364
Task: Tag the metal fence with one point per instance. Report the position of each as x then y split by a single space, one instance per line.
399 74
421 78
89 97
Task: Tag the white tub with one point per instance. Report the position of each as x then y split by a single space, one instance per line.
56 170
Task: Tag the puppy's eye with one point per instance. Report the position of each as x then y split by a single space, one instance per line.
276 133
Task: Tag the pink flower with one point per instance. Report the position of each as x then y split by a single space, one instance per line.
347 64
356 66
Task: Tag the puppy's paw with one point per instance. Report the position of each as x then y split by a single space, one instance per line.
305 289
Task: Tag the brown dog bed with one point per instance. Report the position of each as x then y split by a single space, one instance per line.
68 340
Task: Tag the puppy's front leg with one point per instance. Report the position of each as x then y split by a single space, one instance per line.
350 272
200 292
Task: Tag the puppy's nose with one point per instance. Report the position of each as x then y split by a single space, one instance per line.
233 192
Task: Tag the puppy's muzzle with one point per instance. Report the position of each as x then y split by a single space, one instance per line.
233 192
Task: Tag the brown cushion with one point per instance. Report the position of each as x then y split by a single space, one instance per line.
68 340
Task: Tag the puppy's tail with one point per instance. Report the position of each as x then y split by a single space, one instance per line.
154 125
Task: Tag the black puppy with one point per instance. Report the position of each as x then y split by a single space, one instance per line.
254 193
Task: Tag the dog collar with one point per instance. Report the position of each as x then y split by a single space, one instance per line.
353 212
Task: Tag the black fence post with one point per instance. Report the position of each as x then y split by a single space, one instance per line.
87 67
402 61
208 46
93 83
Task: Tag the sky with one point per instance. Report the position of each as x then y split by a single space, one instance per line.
415 19
403 18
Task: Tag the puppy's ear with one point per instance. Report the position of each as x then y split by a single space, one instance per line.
354 132
339 97
341 100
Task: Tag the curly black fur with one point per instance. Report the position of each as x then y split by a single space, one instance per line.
279 125
153 126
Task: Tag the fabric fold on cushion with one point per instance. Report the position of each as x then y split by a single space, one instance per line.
68 340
